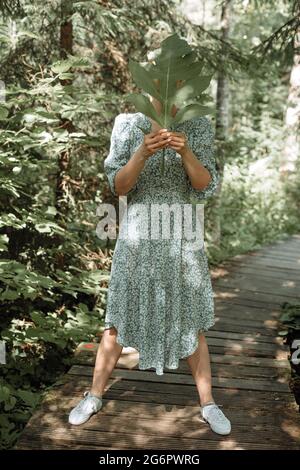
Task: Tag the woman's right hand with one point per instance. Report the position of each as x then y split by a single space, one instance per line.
155 141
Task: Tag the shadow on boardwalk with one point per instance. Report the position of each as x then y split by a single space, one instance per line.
250 375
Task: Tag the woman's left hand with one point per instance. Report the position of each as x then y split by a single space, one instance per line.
178 142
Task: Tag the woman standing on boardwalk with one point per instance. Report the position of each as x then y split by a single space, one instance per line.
160 298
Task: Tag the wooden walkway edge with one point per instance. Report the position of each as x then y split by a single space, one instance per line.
249 365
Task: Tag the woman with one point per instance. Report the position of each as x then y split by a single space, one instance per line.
160 298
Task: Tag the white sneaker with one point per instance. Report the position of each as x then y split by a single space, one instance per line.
88 406
218 422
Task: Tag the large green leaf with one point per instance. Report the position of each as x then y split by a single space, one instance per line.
191 89
174 61
144 105
191 111
143 78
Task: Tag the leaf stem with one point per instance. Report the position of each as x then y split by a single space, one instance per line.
162 166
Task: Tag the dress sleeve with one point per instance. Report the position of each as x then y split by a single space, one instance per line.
119 152
203 148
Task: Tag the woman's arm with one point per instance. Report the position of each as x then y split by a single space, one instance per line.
127 176
199 176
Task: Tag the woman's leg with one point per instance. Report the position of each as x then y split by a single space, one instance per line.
108 354
199 363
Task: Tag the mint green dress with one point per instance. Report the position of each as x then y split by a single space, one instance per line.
160 293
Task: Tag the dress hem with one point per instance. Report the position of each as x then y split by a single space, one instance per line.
173 366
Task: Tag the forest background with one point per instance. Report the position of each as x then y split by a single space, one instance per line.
64 73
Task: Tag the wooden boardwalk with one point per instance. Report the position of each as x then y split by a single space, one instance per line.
250 376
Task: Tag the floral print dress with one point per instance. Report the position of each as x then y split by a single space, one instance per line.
160 293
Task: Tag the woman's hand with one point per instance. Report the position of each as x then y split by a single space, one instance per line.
155 141
127 176
179 142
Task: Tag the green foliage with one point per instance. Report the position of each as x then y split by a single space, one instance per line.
256 208
290 318
51 299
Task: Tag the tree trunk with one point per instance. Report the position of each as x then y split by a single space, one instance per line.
222 124
66 47
291 149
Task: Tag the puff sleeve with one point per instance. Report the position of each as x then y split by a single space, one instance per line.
203 148
120 149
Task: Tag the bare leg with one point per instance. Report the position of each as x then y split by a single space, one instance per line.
199 363
108 354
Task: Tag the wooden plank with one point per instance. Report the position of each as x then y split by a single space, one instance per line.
168 426
174 394
290 254
251 273
257 285
280 265
252 311
253 297
110 441
88 357
243 347
246 345
185 379
156 434
186 419
291 246
250 361
234 265
218 369
243 299
283 251
243 356
255 337
229 325
276 249
256 317
237 350
148 410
